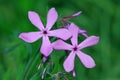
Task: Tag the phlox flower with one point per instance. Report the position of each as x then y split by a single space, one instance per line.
44 32
75 49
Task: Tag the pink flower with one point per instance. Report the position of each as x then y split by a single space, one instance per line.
30 37
76 48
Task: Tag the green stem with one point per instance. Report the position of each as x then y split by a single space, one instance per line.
28 67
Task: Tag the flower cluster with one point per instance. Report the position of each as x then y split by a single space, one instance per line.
70 31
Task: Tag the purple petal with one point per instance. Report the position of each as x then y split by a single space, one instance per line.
86 60
74 30
61 45
90 41
82 31
85 35
51 18
46 47
61 33
30 36
69 62
35 20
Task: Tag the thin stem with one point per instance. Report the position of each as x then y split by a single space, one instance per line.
29 66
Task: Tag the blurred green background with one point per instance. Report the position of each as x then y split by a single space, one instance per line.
99 17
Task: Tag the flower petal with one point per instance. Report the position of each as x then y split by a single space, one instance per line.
46 47
61 45
90 41
86 60
74 30
82 31
69 62
35 20
51 18
61 33
30 36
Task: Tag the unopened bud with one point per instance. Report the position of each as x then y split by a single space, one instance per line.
77 14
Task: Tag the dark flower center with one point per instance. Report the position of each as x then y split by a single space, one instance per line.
44 32
75 48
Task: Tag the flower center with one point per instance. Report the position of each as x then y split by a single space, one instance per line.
44 32
75 48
